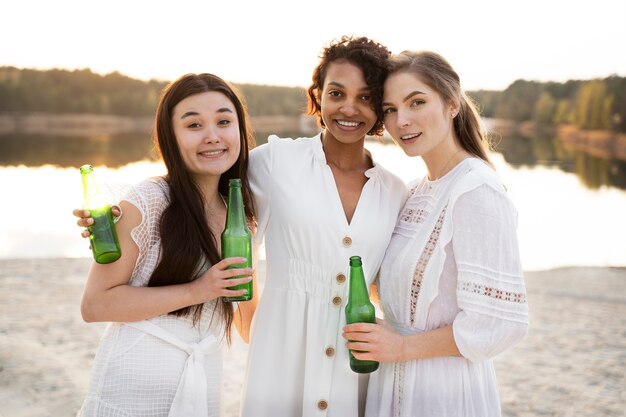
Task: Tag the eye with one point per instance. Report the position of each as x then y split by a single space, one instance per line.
334 93
388 110
366 98
193 125
417 102
224 122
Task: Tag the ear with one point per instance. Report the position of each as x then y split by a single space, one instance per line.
454 107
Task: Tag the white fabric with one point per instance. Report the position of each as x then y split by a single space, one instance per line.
191 395
453 259
142 369
302 220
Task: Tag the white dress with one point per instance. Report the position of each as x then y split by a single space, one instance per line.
164 366
453 259
298 363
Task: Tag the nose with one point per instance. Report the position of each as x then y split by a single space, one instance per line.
211 136
349 108
402 119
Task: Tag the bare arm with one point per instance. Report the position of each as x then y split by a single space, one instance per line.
108 296
383 344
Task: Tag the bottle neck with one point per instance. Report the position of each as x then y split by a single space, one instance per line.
235 213
92 198
358 287
90 187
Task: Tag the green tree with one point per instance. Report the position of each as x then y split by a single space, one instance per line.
545 109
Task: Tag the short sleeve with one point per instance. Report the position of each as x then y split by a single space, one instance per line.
151 198
259 173
490 289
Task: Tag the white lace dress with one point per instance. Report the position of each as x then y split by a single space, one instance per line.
160 367
453 259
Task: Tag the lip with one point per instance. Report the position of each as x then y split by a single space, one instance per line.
349 125
212 154
410 138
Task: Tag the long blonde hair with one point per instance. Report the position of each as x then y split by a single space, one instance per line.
434 70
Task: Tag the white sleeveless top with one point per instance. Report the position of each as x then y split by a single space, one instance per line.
164 366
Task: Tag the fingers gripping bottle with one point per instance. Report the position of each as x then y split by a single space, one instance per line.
359 310
236 237
104 243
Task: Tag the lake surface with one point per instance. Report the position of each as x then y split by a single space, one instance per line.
572 206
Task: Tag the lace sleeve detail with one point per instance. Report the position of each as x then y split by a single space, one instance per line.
490 288
151 198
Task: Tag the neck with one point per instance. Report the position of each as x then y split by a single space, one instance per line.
209 189
443 158
345 156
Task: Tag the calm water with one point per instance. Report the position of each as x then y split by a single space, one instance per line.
571 205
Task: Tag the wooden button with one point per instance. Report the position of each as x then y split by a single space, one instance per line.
322 405
341 278
347 241
330 351
337 301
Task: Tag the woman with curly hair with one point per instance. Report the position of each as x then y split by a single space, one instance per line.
319 200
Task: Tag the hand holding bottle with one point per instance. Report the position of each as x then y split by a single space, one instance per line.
215 282
374 342
85 220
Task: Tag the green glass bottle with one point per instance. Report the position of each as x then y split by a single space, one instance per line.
104 243
236 237
359 310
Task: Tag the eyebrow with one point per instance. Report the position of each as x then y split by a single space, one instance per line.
335 83
413 93
195 113
408 96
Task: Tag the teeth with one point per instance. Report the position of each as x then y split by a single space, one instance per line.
407 137
211 153
347 124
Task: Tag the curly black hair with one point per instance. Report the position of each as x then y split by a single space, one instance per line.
366 54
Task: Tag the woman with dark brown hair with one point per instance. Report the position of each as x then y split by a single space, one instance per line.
318 201
161 355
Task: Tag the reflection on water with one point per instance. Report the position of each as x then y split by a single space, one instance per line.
564 218
593 171
113 151
110 150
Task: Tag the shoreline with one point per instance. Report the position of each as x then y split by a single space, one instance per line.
572 362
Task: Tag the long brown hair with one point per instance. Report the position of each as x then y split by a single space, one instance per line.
436 72
370 57
186 239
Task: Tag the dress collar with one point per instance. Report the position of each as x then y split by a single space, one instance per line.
320 157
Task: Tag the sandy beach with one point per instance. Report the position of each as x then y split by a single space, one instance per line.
572 363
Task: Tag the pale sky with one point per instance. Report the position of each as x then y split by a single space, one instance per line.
277 42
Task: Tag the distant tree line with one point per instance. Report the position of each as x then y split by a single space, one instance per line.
589 104
83 91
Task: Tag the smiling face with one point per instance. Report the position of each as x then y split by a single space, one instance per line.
207 132
345 103
416 117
